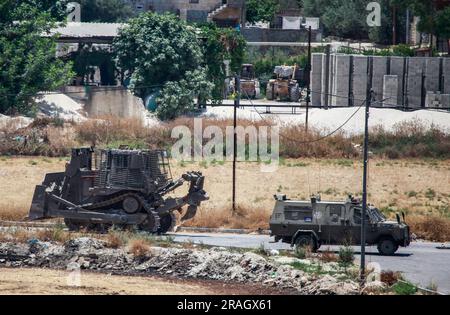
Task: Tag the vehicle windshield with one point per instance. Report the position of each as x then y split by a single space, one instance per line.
376 215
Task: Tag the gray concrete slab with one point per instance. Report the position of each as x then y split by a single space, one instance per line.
397 67
416 68
390 90
316 79
341 85
432 74
380 69
359 81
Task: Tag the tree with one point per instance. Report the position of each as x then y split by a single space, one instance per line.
162 52
220 44
261 10
27 59
347 18
107 11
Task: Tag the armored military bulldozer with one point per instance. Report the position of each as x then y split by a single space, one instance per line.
124 188
250 85
316 222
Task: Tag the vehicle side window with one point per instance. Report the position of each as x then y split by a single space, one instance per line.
335 212
298 213
357 216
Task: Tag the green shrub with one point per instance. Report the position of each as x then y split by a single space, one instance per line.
346 255
404 288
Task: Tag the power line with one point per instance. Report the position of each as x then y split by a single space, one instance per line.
315 140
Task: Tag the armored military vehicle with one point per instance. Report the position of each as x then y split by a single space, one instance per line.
124 188
315 222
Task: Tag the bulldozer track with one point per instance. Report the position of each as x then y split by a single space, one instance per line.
109 202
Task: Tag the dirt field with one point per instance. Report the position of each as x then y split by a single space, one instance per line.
418 187
57 282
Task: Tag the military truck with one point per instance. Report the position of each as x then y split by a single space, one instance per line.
314 223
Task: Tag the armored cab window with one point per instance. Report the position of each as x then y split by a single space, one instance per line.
335 212
357 216
298 213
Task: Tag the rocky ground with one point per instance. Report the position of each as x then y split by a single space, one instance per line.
213 264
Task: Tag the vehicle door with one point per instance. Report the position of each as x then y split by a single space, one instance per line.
355 219
334 228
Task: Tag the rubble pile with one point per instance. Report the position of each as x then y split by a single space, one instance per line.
211 264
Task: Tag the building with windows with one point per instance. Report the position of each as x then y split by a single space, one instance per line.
222 12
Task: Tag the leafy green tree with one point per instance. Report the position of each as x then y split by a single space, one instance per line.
221 44
347 18
261 10
162 51
27 59
107 11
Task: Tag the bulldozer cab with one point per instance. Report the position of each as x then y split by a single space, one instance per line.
247 71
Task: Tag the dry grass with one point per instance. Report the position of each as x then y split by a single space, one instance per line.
417 187
430 228
328 256
22 235
138 247
114 239
390 277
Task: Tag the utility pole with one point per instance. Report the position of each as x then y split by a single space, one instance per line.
408 24
308 71
394 25
237 90
366 158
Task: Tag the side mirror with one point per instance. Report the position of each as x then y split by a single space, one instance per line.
398 218
404 217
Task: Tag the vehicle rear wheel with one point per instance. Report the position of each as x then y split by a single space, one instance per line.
294 93
305 241
387 246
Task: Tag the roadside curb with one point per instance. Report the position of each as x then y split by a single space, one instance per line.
220 230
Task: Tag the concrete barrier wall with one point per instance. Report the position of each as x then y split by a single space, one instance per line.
115 101
404 80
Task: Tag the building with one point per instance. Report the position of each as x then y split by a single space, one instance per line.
222 12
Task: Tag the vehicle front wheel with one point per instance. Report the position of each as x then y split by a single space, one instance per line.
306 241
387 246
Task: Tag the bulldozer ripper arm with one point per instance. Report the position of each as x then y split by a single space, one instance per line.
193 199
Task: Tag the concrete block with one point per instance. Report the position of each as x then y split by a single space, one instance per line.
416 68
446 75
341 84
445 100
380 68
397 67
316 79
390 90
323 78
359 79
432 73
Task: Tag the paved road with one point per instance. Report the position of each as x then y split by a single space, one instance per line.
421 262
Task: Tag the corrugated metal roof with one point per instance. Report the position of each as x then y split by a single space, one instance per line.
86 30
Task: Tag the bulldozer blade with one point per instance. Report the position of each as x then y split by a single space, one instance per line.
37 209
190 213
